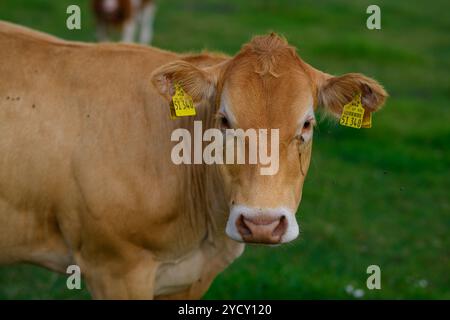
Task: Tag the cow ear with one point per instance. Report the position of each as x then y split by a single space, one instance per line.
335 92
198 83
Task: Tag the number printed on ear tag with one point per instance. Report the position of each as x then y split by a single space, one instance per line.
182 103
353 113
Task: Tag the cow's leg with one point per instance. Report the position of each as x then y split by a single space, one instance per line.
132 277
147 19
129 30
102 32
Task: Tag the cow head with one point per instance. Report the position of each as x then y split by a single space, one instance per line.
266 85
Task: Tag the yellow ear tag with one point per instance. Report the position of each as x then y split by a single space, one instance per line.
367 120
183 106
353 113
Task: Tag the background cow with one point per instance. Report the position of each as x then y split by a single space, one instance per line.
132 18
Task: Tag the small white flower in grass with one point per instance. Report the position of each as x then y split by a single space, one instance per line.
349 289
423 283
358 293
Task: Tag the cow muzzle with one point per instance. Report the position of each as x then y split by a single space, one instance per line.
267 226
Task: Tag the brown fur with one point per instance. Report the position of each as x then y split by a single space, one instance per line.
86 175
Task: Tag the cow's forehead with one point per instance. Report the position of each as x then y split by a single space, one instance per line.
279 100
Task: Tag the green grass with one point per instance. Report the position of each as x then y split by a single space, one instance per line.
378 196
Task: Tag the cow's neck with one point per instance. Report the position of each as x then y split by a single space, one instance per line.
205 200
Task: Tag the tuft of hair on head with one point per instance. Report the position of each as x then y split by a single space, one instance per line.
269 50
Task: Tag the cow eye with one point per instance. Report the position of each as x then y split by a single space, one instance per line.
308 125
306 131
223 122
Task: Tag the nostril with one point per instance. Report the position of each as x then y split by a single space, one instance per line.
243 229
280 228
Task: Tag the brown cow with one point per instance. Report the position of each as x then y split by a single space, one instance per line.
86 175
125 16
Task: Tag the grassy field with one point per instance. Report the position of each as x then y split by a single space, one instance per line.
378 196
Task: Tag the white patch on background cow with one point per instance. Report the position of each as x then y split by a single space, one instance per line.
109 6
147 18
